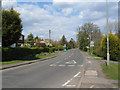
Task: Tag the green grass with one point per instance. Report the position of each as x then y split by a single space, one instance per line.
112 71
28 58
99 58
10 62
89 53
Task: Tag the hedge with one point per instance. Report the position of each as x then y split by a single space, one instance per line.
114 47
9 54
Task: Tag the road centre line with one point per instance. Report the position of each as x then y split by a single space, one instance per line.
65 84
61 65
92 86
77 74
70 85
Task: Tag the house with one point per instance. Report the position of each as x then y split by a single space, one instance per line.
43 43
19 42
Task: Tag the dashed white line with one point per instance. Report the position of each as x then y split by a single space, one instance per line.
74 61
70 85
66 83
71 65
52 65
67 62
77 74
61 65
92 86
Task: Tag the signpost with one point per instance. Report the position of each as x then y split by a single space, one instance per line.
91 46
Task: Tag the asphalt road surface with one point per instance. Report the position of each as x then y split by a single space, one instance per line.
63 71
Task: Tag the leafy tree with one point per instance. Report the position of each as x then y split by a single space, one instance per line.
114 46
86 33
71 43
30 39
11 27
63 40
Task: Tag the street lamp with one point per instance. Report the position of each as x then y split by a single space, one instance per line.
107 34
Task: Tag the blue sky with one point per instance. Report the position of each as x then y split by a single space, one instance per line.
62 18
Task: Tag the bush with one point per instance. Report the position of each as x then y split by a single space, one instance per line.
52 49
17 53
98 51
114 47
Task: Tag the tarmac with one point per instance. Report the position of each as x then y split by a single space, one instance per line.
94 77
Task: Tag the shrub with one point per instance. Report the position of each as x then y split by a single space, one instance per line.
114 47
52 49
18 53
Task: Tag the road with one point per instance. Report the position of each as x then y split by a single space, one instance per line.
63 71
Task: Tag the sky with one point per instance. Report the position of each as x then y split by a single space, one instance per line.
62 18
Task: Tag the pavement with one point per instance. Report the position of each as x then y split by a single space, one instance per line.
63 71
93 75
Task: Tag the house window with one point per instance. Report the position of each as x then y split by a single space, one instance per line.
21 38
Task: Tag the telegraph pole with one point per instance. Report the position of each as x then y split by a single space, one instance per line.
107 35
49 37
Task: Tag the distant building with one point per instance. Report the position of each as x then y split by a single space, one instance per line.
57 42
43 43
19 42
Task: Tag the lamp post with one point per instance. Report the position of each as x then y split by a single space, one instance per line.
107 34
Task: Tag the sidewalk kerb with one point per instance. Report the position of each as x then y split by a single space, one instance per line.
26 62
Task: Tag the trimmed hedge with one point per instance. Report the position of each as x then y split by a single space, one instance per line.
9 54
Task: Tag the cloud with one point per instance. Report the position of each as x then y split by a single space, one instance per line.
67 11
62 18
8 3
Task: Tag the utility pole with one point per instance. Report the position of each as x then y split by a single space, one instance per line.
107 35
49 37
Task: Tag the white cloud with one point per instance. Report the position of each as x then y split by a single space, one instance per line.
8 3
67 11
61 18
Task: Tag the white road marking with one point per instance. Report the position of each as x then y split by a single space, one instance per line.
61 65
89 61
70 85
92 86
67 62
74 61
52 65
77 74
66 83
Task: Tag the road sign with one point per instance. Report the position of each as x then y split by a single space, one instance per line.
92 44
87 47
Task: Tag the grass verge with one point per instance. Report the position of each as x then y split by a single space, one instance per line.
112 71
28 58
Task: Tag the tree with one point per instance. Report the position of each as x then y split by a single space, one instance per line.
86 33
71 44
63 40
11 27
30 39
114 46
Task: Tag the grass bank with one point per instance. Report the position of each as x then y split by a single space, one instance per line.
28 58
112 71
